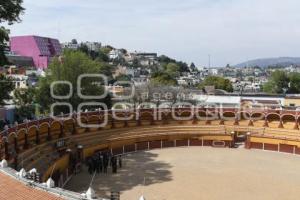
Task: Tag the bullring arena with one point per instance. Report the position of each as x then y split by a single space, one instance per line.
241 154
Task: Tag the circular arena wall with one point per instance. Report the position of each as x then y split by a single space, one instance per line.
54 147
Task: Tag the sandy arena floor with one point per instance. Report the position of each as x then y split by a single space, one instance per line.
200 173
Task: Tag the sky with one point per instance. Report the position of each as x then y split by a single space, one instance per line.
230 31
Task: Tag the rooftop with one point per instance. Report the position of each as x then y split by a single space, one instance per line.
11 188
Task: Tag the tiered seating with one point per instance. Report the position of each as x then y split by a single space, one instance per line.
244 129
282 133
259 123
29 156
42 155
103 136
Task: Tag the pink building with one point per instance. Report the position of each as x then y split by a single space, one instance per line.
41 49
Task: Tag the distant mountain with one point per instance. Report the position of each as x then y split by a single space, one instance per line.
265 62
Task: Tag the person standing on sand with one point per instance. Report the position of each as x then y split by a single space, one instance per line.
120 161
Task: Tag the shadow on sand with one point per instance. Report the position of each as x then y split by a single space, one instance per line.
138 169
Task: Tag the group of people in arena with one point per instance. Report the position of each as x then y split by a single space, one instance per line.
101 161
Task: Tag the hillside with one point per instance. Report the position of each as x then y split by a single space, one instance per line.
265 62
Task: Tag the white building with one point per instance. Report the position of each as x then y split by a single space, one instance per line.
188 80
214 100
114 54
93 46
145 59
213 71
70 45
261 102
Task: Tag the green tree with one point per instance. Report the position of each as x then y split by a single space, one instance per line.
3 38
43 95
106 49
183 67
6 87
107 70
251 79
123 77
102 57
24 99
10 11
165 59
24 96
218 82
278 83
84 48
163 78
74 41
135 63
294 85
193 67
69 68
173 69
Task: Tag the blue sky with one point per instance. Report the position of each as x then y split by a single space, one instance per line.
231 31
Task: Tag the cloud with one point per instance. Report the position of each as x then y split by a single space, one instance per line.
230 30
